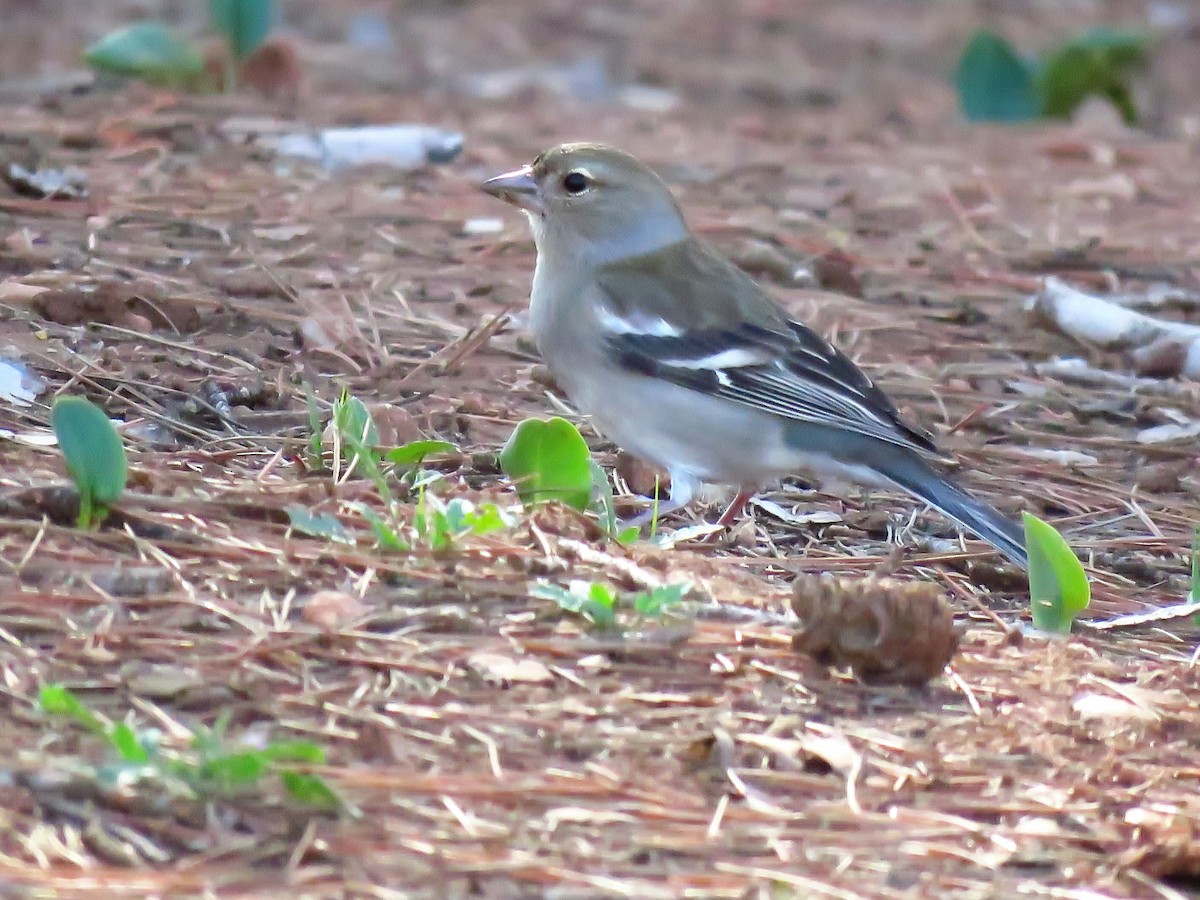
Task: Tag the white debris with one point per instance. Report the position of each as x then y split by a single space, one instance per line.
1160 434
42 438
1160 347
645 98
477 227
1061 457
400 146
18 385
815 517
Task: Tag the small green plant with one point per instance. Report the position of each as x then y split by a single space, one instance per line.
245 25
322 525
94 455
356 439
604 505
315 451
414 453
156 54
548 459
595 601
438 524
209 768
151 52
658 601
1058 585
997 84
599 603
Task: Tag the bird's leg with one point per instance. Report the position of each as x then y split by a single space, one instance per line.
735 508
683 488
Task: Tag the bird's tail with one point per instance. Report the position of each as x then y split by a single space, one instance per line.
915 476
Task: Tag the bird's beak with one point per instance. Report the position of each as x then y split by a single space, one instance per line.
517 187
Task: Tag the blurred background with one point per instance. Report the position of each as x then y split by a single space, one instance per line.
889 58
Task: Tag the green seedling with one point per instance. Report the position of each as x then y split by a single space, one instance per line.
387 534
320 525
94 455
994 83
209 768
604 505
600 603
595 601
316 447
997 84
245 24
437 524
1058 585
154 53
151 52
548 459
655 602
355 432
1101 63
414 453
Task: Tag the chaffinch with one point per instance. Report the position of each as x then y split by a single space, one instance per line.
682 359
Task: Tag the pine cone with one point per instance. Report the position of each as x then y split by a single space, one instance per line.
883 629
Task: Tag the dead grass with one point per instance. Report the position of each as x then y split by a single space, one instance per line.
703 759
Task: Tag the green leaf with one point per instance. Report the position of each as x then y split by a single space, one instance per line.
461 516
1058 586
457 515
595 601
322 525
357 431
603 502
94 455
548 460
656 601
994 83
58 700
565 599
294 751
353 421
628 535
602 615
310 790
314 427
127 743
415 452
235 768
245 24
430 521
602 594
1099 63
385 534
150 51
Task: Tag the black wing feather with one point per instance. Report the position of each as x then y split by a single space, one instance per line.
784 368
802 376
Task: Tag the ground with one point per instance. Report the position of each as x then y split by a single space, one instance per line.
484 742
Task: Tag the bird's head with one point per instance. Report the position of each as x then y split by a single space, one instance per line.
593 201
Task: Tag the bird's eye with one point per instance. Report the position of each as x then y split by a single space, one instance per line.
575 182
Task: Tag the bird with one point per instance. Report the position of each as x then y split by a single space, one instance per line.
681 358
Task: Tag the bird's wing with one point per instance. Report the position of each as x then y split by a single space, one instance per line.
698 321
